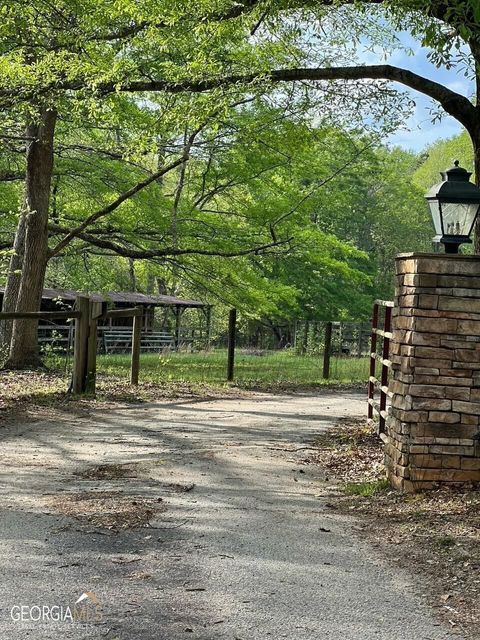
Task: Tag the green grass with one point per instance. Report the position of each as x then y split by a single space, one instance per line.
366 489
278 367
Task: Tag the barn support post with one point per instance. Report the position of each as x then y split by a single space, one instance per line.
136 344
208 320
178 325
232 329
80 349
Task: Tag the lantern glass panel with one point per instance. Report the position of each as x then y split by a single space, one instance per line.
435 211
458 218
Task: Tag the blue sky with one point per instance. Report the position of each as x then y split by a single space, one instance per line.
420 131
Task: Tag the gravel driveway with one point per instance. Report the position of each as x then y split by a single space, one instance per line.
242 543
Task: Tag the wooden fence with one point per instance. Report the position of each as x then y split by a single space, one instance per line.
86 314
381 328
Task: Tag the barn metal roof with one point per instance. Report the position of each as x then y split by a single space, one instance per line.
120 297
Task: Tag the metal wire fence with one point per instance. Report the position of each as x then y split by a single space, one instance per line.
295 356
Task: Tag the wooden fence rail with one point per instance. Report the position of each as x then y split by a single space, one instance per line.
381 328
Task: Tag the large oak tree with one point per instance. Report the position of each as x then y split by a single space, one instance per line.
75 57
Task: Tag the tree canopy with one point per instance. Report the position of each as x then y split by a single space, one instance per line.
186 135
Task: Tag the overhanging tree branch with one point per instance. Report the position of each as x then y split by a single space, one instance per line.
147 254
438 9
126 195
11 176
454 103
189 141
124 32
316 187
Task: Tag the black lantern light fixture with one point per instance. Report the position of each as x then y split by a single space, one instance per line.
454 205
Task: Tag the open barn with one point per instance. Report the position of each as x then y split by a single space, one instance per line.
168 322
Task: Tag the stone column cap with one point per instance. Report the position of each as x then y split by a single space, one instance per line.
438 263
437 256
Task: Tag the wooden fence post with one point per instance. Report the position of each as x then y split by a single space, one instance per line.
136 343
232 326
327 350
95 311
80 349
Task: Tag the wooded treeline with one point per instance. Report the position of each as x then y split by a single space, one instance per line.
149 146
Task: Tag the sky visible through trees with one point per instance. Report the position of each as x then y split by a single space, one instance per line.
420 130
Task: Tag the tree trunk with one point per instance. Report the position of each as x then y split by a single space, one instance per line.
176 203
474 132
132 274
24 342
476 155
12 286
277 334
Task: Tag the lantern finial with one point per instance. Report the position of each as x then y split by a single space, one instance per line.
454 205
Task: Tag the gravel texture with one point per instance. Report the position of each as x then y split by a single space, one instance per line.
207 527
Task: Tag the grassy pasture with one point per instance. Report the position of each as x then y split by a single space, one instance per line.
251 368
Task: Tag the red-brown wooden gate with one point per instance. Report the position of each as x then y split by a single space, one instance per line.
381 328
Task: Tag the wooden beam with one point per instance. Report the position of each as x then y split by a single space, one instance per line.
80 348
208 319
232 327
39 315
124 313
95 311
327 351
178 321
136 343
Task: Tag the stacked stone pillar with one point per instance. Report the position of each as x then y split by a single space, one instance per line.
433 431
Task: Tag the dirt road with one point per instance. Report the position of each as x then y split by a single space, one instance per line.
241 542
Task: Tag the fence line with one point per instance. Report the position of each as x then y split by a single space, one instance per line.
329 339
324 349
